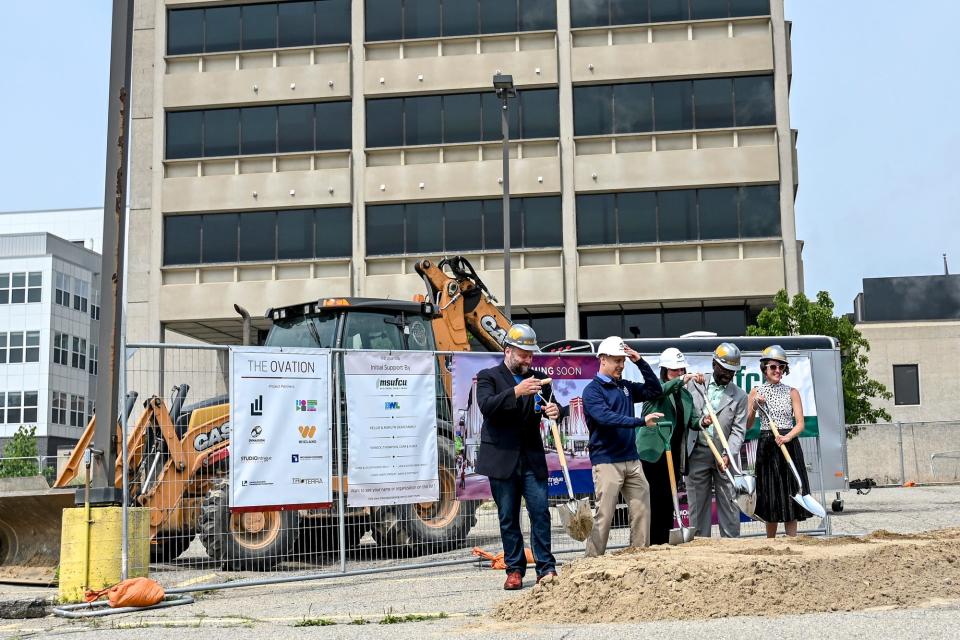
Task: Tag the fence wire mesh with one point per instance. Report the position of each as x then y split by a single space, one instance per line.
178 467
901 452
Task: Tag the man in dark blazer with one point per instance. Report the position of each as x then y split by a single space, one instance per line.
513 400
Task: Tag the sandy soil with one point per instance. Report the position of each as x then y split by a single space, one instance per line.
711 578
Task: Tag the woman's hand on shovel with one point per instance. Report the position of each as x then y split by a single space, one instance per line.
651 418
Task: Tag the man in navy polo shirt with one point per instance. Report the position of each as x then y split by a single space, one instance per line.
608 404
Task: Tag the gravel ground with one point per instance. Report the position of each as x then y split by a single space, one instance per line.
465 594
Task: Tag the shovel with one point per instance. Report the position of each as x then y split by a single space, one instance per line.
681 534
734 460
745 487
575 515
806 501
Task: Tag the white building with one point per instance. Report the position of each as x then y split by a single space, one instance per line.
49 327
83 227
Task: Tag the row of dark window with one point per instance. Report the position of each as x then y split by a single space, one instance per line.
462 225
602 13
257 236
21 287
19 346
318 126
60 410
667 323
18 407
678 215
398 19
258 26
76 356
674 105
461 117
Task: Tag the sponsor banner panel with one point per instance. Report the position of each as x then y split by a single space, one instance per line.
280 441
392 428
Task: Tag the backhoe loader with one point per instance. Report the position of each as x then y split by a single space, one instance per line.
178 454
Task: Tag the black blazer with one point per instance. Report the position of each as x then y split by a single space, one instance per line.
511 427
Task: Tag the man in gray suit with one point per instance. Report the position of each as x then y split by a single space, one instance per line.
704 476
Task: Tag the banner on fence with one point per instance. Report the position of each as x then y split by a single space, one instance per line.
570 374
280 440
392 428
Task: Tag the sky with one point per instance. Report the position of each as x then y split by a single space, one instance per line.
874 97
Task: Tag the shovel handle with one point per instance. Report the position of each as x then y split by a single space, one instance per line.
783 448
558 444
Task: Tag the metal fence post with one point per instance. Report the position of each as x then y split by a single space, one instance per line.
125 501
827 521
903 473
337 366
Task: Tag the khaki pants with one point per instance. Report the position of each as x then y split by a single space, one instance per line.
612 479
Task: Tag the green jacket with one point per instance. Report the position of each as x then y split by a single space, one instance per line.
653 441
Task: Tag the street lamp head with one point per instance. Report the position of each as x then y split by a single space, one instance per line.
503 84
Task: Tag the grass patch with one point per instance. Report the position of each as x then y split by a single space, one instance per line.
390 618
314 622
359 621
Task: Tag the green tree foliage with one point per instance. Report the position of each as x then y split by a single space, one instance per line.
803 316
22 445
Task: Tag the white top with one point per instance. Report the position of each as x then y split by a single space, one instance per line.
779 405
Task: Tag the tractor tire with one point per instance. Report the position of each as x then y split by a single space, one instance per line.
255 541
324 535
430 527
169 545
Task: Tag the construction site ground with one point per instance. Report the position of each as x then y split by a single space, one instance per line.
467 602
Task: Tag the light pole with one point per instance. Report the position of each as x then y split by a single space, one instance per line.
503 85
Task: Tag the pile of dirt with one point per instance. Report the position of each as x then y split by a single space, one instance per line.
721 578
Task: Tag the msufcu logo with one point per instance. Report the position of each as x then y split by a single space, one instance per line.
307 433
392 384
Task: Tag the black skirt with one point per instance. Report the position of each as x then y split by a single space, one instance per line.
776 484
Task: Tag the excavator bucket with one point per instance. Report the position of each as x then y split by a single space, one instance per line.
30 519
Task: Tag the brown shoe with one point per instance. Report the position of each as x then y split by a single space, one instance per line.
514 581
548 574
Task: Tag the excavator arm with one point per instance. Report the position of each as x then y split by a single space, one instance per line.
464 305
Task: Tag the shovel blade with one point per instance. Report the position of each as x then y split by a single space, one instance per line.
576 518
814 507
675 537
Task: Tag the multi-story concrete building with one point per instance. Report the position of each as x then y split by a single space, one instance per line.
82 227
292 150
49 328
913 327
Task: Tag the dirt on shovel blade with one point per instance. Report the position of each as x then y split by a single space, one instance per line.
720 578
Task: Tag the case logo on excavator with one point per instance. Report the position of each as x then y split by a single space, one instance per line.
489 324
213 437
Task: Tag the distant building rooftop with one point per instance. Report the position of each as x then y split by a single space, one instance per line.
909 298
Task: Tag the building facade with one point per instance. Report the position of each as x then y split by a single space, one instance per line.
289 151
913 327
49 328
82 227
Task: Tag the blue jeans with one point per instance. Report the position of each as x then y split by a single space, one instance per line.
507 494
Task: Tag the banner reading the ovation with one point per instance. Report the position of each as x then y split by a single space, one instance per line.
280 428
570 375
392 428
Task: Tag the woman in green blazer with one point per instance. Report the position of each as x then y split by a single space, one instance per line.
679 415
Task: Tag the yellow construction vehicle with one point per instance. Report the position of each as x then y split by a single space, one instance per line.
178 455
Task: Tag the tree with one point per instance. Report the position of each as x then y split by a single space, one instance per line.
22 445
803 316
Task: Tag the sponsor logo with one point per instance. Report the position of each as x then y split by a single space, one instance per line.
215 436
392 383
303 458
255 435
307 433
391 406
256 483
256 458
306 405
243 483
294 457
256 407
307 481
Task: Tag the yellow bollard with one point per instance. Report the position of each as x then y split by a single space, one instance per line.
100 559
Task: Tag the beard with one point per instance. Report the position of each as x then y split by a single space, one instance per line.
517 368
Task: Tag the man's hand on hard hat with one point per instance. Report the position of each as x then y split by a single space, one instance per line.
527 387
633 355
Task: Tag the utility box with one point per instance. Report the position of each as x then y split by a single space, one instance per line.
90 555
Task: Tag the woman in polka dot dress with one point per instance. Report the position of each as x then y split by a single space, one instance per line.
776 484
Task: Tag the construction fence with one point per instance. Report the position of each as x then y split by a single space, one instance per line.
178 465
901 452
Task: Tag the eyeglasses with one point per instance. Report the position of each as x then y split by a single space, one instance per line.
777 367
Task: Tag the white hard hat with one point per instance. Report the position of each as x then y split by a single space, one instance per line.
612 346
672 358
